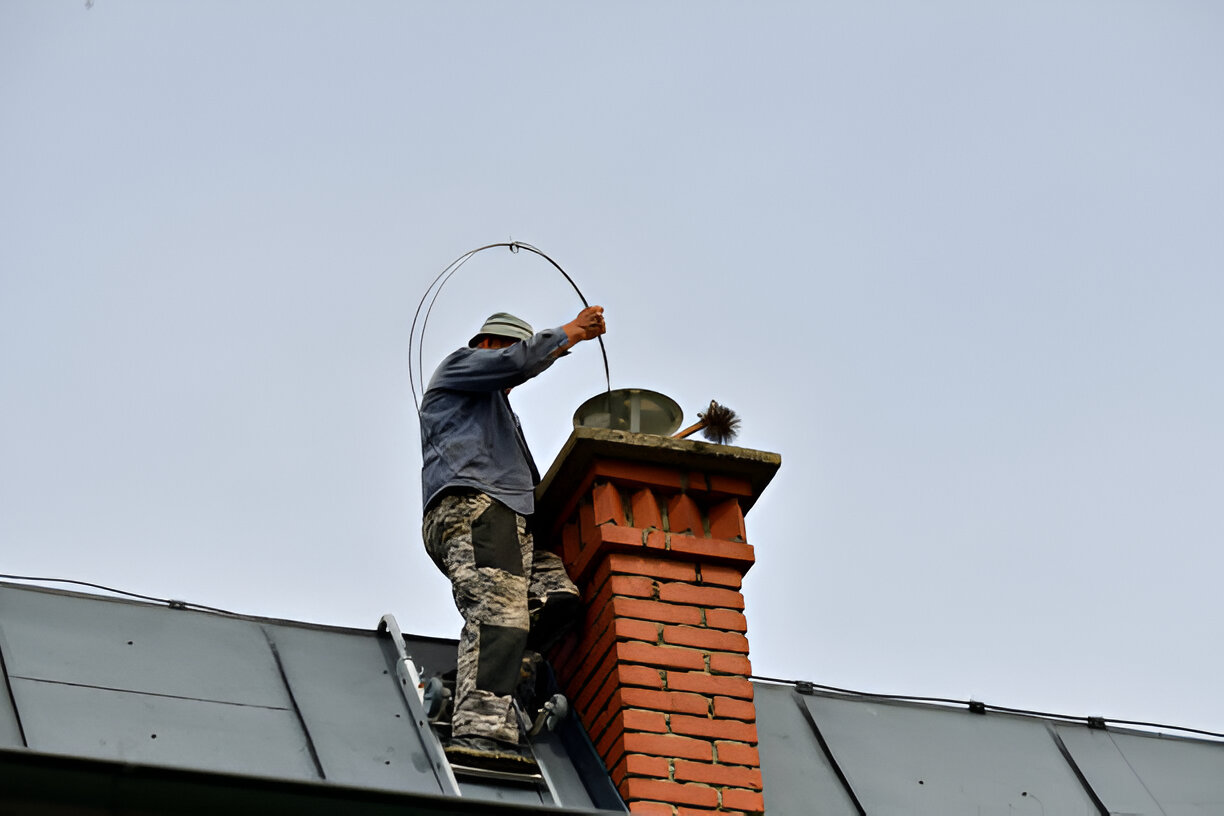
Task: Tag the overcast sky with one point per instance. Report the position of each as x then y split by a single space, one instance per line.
960 263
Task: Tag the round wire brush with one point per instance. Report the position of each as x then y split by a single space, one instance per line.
719 424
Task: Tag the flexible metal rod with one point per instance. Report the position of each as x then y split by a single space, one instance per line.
416 373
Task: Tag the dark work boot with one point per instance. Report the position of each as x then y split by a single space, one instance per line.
490 755
560 612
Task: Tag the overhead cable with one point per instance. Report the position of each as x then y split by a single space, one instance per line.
976 706
172 603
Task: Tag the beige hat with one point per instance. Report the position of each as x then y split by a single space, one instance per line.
503 324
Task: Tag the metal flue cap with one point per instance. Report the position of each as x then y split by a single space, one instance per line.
631 409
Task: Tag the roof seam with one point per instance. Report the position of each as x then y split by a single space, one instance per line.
148 693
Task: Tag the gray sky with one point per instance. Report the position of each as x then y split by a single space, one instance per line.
959 263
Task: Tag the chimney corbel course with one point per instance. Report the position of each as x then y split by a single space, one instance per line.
652 531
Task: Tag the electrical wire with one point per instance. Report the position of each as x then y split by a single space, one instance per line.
975 705
416 372
799 684
174 604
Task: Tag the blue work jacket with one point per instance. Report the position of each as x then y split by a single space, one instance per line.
469 435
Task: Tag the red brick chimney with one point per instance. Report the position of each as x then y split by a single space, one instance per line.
652 531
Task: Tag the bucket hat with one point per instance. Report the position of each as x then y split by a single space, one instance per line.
503 324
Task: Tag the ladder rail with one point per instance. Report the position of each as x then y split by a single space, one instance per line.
526 729
410 687
409 683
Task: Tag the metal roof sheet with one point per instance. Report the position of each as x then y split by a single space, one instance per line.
105 689
115 680
857 754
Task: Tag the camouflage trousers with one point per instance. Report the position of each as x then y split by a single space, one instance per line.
498 579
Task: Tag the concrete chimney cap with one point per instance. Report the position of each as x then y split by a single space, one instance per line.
503 324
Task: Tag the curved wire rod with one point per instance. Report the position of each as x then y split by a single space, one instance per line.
416 373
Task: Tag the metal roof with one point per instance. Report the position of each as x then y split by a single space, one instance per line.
164 709
135 683
857 754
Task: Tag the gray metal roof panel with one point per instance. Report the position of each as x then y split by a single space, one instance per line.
322 706
10 727
125 726
796 770
110 679
1148 775
902 759
113 644
846 753
1185 777
359 731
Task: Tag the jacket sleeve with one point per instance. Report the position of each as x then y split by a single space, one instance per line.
497 369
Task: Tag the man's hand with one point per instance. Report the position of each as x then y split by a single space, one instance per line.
588 325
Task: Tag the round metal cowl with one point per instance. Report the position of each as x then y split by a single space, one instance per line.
636 410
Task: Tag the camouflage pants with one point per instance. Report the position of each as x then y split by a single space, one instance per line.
497 578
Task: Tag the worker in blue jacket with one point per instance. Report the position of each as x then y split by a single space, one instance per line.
478 481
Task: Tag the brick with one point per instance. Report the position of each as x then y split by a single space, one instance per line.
668 745
598 729
727 521
689 811
637 474
750 801
639 676
645 508
734 709
635 719
615 753
668 657
736 753
733 485
683 516
705 639
652 566
708 684
655 611
679 592
595 596
726 619
622 537
597 616
670 701
730 664
587 528
597 654
571 543
633 586
607 505
631 629
722 775
598 578
641 765
721 576
591 693
734 730
563 652
611 735
714 549
594 696
641 808
679 793
580 662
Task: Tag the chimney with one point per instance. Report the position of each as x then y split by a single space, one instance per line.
651 530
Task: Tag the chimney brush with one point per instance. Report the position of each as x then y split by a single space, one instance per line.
719 424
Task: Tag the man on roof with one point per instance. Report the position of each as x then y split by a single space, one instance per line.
478 481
